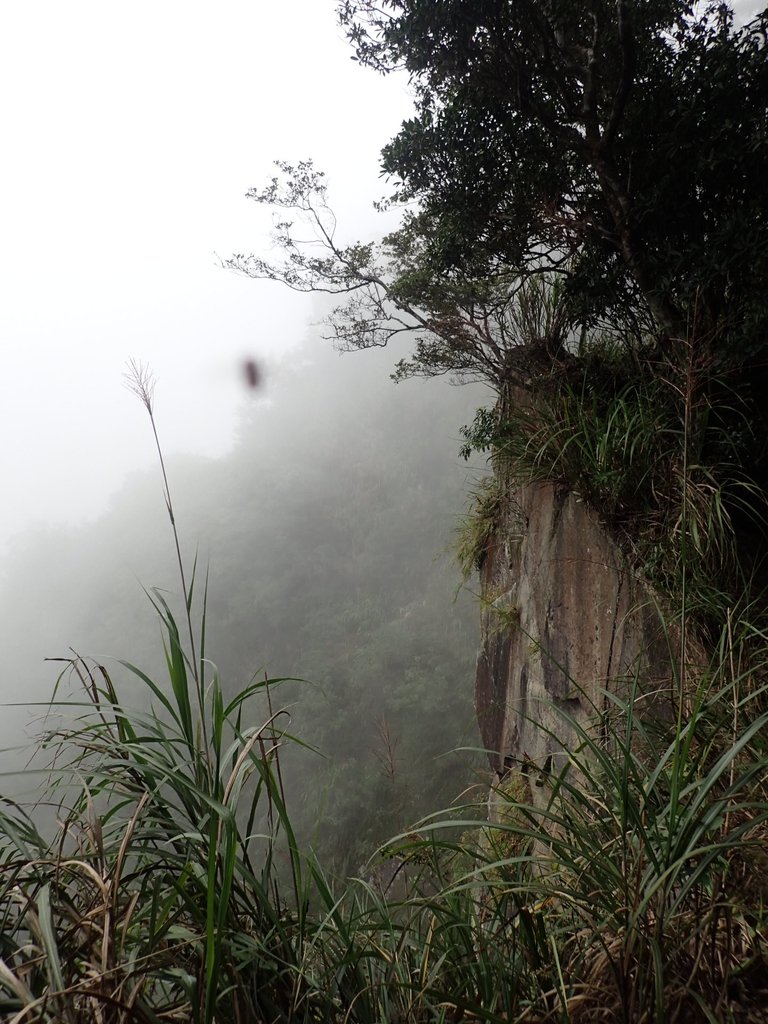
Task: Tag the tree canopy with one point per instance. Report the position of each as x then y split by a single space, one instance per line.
617 148
629 138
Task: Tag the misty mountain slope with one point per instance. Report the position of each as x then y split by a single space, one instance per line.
351 541
326 530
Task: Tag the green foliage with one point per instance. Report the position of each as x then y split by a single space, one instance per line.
174 886
327 526
602 133
502 845
668 457
587 200
630 882
585 221
480 434
492 329
479 525
156 890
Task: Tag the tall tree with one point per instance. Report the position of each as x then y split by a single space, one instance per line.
617 147
629 137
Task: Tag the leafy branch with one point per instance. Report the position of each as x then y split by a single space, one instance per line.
502 329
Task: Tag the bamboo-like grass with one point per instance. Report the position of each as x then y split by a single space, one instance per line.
172 888
662 452
637 887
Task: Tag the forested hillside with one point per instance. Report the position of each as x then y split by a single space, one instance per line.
327 532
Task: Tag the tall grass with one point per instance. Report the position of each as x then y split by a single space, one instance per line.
151 894
172 887
665 455
633 886
159 896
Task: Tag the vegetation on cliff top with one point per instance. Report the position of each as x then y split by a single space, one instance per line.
586 222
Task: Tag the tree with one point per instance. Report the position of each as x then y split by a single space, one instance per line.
500 328
630 136
615 148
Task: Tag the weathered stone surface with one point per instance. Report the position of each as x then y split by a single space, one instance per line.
562 623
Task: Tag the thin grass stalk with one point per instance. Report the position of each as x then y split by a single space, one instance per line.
141 382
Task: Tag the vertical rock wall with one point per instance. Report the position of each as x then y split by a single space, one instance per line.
562 622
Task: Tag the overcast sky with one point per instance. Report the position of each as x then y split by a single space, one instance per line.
130 134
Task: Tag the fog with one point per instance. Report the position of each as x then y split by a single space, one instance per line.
326 533
131 136
322 502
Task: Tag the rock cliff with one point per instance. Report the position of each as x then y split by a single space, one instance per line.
563 621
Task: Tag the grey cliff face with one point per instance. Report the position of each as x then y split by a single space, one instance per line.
563 621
